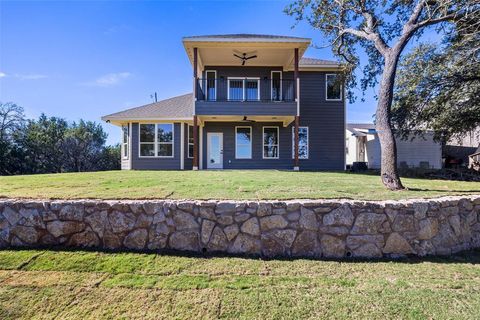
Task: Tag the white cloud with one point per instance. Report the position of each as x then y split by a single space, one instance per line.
109 80
32 76
117 29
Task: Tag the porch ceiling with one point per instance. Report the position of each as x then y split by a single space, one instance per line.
268 53
286 120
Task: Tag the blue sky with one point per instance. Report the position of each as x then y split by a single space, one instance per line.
87 59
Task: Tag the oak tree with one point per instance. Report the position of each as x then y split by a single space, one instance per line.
383 28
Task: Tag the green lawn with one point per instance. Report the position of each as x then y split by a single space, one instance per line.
91 285
242 184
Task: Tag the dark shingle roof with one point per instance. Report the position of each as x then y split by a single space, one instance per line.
316 62
177 107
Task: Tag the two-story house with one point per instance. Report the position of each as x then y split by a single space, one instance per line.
257 103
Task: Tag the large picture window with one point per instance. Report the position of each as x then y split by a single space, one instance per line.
333 87
270 142
302 142
125 138
156 140
190 141
243 142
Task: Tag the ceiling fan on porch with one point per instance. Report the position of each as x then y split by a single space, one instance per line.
246 120
244 57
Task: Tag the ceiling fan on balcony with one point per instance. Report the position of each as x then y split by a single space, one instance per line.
243 57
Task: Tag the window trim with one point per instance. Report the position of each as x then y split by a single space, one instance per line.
127 143
206 84
243 87
156 142
278 142
251 142
188 142
293 142
326 88
271 85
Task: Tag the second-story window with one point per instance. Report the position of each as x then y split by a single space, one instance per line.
243 89
251 89
333 87
211 85
276 85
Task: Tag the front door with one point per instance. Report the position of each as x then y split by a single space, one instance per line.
214 150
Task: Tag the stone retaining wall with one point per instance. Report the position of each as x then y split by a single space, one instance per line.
322 228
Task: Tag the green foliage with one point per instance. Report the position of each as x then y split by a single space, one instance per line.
51 144
83 146
40 144
11 119
439 87
377 27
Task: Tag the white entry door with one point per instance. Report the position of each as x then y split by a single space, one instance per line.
214 150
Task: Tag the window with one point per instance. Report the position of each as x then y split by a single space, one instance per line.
147 140
251 90
302 142
211 85
276 85
333 87
125 136
165 140
243 89
243 142
270 142
156 140
190 141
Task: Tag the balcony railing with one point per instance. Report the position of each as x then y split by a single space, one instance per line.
245 89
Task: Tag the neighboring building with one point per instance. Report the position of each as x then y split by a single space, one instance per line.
457 150
250 94
362 145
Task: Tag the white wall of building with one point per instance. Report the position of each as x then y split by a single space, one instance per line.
412 152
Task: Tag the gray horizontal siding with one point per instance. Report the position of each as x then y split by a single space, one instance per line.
139 163
229 162
326 122
249 108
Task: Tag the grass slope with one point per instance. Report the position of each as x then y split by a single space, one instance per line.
93 285
241 184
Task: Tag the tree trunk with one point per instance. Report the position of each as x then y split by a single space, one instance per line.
388 147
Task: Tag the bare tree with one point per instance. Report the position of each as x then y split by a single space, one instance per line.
383 28
11 117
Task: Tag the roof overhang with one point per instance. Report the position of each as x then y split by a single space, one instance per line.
319 67
270 52
285 120
121 121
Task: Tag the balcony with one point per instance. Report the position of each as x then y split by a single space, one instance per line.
245 96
